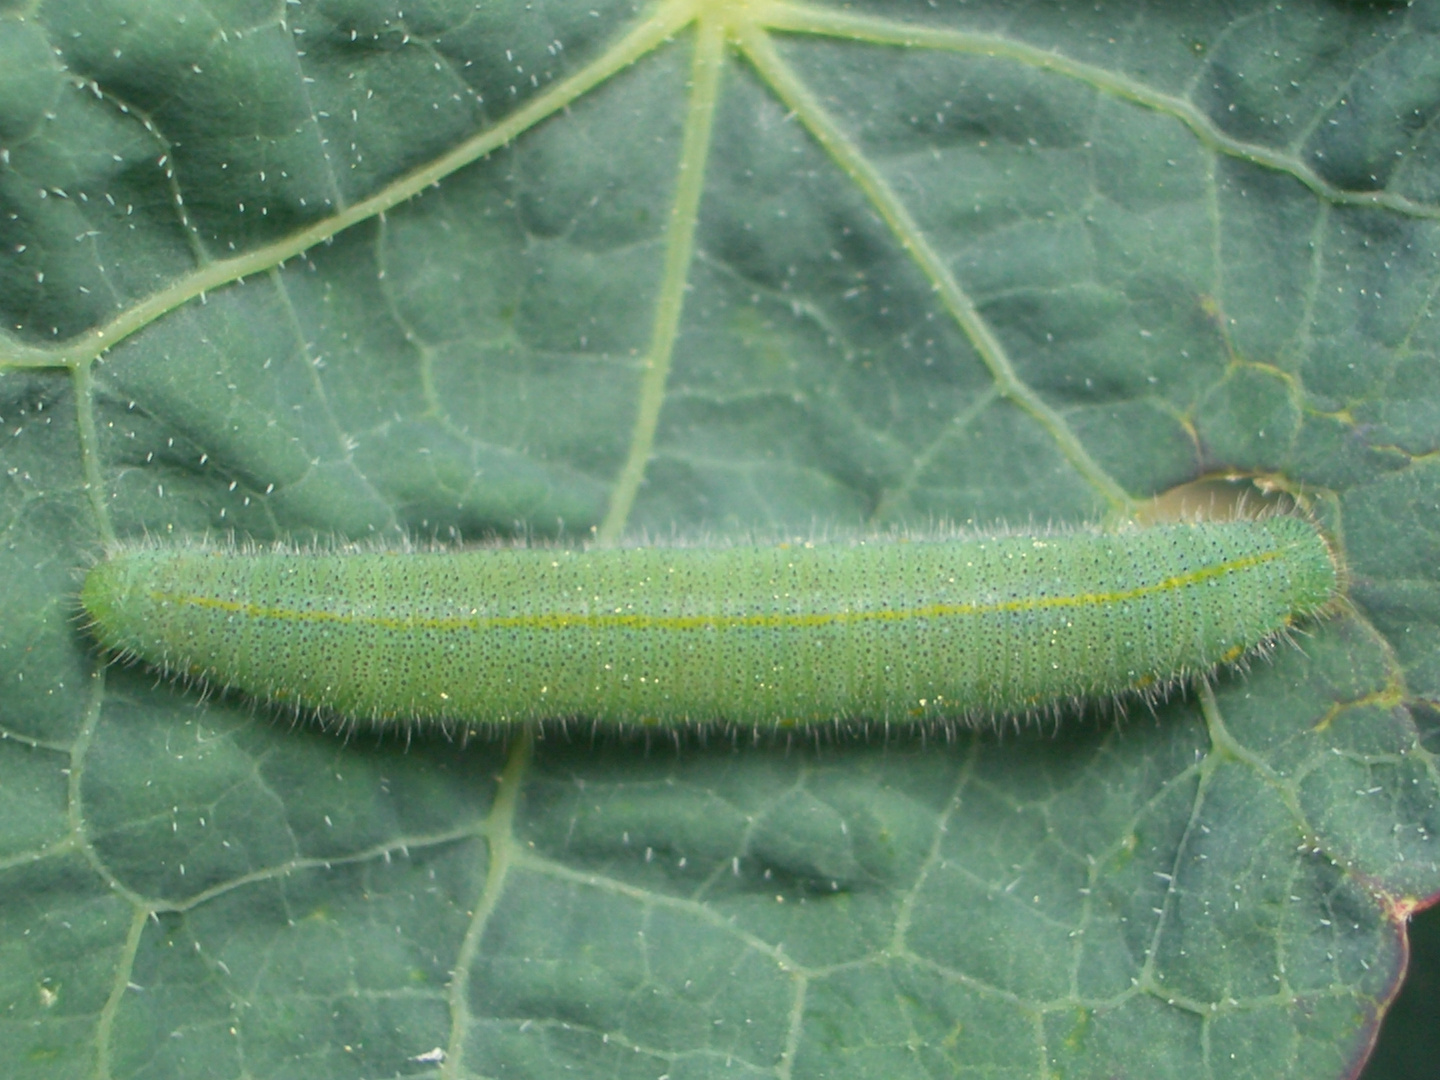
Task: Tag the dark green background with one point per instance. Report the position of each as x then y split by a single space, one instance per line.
361 270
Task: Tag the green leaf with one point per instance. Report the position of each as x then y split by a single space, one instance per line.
451 269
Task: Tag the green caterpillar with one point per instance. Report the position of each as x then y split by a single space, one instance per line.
784 635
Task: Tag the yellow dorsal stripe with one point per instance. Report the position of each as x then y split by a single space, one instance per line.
771 620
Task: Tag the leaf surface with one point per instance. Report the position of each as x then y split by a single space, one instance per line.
455 270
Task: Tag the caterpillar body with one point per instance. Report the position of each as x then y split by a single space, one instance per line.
885 630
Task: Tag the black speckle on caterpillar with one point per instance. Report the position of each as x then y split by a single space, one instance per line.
953 629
